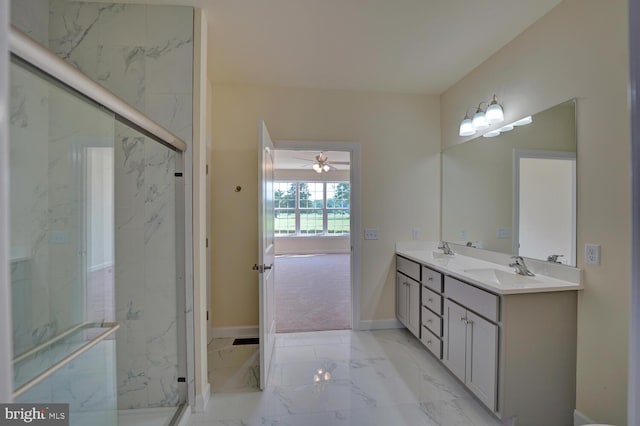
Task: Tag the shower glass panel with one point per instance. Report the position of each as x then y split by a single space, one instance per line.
146 285
62 233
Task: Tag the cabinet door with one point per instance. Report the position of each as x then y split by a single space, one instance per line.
482 358
455 338
413 307
401 298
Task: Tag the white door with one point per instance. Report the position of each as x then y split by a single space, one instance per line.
413 305
266 252
401 298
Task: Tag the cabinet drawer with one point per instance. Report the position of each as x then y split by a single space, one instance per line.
479 301
432 279
432 321
433 343
408 267
432 300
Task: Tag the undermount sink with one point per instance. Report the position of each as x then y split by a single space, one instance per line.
499 276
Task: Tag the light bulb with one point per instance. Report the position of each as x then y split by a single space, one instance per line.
327 376
466 127
524 121
494 112
507 128
317 168
492 134
480 120
326 168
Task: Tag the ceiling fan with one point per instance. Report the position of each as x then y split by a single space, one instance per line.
322 163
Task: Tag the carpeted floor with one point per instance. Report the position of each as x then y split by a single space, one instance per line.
313 293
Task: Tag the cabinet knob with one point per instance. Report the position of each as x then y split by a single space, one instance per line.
430 300
429 321
430 279
463 319
428 342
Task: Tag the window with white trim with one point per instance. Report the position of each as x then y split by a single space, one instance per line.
312 208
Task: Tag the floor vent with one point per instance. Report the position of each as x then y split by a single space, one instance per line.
246 341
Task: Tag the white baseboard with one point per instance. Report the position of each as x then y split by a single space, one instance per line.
203 399
245 331
379 324
580 419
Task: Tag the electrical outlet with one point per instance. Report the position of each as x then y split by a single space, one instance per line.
415 234
371 233
502 233
592 254
463 234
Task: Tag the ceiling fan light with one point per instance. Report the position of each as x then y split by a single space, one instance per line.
326 168
317 168
494 112
479 120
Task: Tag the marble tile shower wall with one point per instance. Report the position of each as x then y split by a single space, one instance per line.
144 54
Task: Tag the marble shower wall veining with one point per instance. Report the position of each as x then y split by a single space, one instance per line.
143 54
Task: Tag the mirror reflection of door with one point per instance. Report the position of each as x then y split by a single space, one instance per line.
544 200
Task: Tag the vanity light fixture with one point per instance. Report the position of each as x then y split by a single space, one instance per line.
492 134
466 127
507 128
480 119
494 112
523 121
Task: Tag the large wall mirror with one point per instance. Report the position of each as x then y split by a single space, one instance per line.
515 193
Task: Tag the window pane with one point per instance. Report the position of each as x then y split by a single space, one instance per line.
311 195
311 222
338 195
285 221
338 221
284 195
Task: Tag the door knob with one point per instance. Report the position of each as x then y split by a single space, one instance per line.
262 268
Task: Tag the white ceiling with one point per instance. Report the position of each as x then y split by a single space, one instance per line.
303 160
416 46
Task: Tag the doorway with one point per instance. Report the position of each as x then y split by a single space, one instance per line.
317 250
544 199
312 199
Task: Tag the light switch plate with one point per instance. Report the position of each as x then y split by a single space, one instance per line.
415 234
371 233
592 254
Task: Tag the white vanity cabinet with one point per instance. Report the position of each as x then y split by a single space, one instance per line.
471 351
515 351
431 313
408 294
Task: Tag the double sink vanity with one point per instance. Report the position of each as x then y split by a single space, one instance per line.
510 338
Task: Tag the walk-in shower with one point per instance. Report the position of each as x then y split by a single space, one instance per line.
99 306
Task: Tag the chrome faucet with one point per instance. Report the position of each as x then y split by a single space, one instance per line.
521 267
444 246
554 258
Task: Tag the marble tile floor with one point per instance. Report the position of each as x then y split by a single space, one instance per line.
160 416
351 378
233 368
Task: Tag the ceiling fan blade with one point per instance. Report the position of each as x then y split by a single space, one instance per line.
345 163
304 159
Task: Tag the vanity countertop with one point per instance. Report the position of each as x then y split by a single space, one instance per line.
494 277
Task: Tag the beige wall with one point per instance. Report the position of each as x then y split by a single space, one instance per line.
578 50
312 245
400 181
